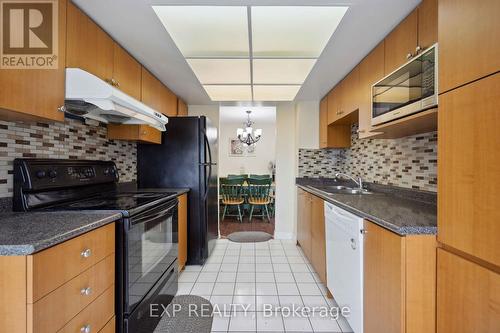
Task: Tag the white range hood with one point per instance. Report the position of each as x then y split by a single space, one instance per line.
91 97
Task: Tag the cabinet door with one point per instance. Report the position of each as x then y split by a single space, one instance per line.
318 241
339 100
401 42
304 222
36 93
170 100
427 23
126 72
384 280
467 296
350 99
88 46
142 133
371 69
323 123
332 104
469 168
151 89
182 218
468 34
182 109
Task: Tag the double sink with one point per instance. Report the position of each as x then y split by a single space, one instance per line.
339 189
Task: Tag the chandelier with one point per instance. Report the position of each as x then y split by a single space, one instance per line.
248 136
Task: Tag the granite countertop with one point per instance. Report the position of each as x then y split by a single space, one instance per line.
24 233
405 212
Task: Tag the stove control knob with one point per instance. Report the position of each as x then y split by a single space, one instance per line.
52 173
40 174
106 171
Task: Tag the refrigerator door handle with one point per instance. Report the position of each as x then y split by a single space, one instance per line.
207 181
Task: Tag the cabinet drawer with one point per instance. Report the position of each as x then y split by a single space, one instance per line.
110 326
54 310
51 268
95 316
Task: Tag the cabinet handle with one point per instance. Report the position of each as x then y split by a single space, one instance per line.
418 49
117 84
363 231
86 291
85 329
86 253
144 133
61 109
409 55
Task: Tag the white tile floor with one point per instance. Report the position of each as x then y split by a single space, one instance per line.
247 279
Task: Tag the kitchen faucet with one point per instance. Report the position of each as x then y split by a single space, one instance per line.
358 182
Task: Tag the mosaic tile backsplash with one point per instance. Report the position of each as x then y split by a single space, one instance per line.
71 139
409 162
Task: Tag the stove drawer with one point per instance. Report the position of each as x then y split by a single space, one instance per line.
56 309
51 268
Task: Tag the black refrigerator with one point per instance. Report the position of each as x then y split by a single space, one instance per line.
187 158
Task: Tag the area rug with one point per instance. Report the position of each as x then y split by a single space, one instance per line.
186 314
249 236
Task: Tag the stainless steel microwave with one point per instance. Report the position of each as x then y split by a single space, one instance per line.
409 89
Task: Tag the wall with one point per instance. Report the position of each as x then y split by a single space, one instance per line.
409 162
258 163
307 113
71 139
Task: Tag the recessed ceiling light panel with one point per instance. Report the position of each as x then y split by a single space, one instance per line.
229 92
281 71
221 71
275 93
207 31
293 31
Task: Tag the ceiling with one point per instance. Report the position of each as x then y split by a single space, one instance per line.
135 26
260 114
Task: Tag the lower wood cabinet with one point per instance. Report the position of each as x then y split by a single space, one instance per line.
182 230
468 296
400 282
311 230
61 289
140 133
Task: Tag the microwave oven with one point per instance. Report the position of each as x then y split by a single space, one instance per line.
409 89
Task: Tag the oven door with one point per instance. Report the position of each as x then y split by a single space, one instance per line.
150 249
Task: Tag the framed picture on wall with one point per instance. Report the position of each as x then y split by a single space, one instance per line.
236 148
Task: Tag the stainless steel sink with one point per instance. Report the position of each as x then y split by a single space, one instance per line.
328 190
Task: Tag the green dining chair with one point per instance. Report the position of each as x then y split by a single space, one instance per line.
232 196
259 176
258 196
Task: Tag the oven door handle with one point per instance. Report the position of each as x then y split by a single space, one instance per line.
149 218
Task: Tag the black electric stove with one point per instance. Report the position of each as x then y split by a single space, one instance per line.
146 237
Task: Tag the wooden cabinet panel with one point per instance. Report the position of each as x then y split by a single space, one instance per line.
110 326
304 221
126 72
88 46
350 97
427 23
141 133
401 42
469 169
182 108
384 280
323 123
49 269
53 311
36 93
318 241
332 104
151 91
170 103
468 296
468 34
182 218
13 282
371 69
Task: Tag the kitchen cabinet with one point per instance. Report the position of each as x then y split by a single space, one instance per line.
170 101
333 135
304 221
152 91
141 133
126 72
182 109
400 278
43 292
469 169
350 93
371 69
88 46
36 94
467 296
400 44
323 123
182 227
468 34
427 23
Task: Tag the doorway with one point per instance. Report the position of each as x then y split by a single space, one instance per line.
246 169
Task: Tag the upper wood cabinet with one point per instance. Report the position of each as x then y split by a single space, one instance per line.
400 44
371 69
427 23
88 46
333 102
182 109
469 169
36 94
170 102
141 133
350 93
323 123
126 72
469 32
152 93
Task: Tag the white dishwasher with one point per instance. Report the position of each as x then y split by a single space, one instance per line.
344 261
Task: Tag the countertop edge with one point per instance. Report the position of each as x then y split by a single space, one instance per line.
401 231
